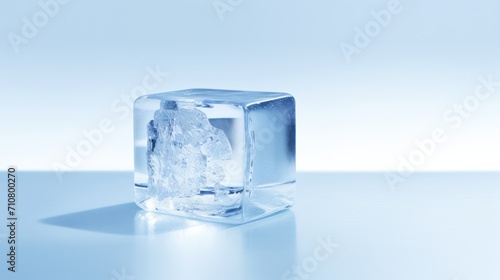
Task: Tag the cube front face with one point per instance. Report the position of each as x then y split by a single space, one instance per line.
226 156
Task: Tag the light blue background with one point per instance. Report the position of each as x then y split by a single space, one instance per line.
357 116
361 115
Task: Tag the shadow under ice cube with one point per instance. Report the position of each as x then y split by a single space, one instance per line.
220 155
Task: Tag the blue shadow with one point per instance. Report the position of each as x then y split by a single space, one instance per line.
128 219
116 219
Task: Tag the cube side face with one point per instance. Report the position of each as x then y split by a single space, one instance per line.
271 130
229 162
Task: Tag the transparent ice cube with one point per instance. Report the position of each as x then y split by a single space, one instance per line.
219 155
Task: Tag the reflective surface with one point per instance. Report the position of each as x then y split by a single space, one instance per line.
343 226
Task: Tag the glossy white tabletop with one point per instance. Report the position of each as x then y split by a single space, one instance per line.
344 226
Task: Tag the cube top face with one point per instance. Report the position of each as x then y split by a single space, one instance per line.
216 96
218 155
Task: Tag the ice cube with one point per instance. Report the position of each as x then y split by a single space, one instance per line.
220 155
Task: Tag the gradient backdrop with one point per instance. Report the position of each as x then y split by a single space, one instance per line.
67 66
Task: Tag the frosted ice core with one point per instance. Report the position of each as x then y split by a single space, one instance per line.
184 152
